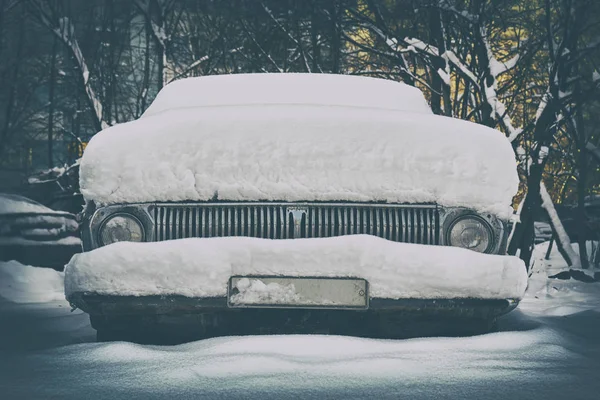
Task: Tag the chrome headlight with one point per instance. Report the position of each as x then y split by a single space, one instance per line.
470 232
121 228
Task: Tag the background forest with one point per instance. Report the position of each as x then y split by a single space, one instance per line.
530 68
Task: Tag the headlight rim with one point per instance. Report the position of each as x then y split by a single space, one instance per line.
111 216
486 224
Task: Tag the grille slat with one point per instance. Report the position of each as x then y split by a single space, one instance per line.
401 223
396 236
282 216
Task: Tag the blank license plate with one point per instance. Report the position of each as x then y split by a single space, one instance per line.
297 292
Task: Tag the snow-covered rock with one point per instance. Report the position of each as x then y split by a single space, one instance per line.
299 138
202 267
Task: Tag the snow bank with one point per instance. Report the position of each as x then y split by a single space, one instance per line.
557 297
202 267
289 89
25 284
504 365
299 152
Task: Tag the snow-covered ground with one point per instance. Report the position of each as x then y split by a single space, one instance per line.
549 348
558 297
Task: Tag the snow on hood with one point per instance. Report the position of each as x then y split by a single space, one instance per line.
202 267
300 152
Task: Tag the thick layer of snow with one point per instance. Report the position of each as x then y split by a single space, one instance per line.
289 89
300 153
202 267
25 284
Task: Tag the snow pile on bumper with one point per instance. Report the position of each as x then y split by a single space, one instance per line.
202 267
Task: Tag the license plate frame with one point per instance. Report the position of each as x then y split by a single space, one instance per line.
336 293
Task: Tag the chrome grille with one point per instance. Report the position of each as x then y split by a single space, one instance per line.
400 223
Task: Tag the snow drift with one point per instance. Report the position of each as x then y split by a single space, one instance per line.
339 138
202 267
26 284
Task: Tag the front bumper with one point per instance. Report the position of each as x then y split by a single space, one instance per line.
179 319
169 306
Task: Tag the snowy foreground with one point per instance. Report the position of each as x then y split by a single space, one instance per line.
548 348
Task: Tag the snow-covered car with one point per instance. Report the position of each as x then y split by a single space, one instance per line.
32 233
284 201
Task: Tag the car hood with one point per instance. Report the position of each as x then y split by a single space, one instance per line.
301 153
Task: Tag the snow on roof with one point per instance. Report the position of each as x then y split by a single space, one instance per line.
282 89
202 267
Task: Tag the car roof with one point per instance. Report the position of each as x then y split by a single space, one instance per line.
289 89
14 204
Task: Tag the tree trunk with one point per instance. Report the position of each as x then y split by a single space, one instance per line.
523 236
146 80
562 239
581 217
335 38
52 83
12 91
314 35
436 81
441 90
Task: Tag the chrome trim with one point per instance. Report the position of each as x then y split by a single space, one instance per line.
497 227
397 222
412 223
117 214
